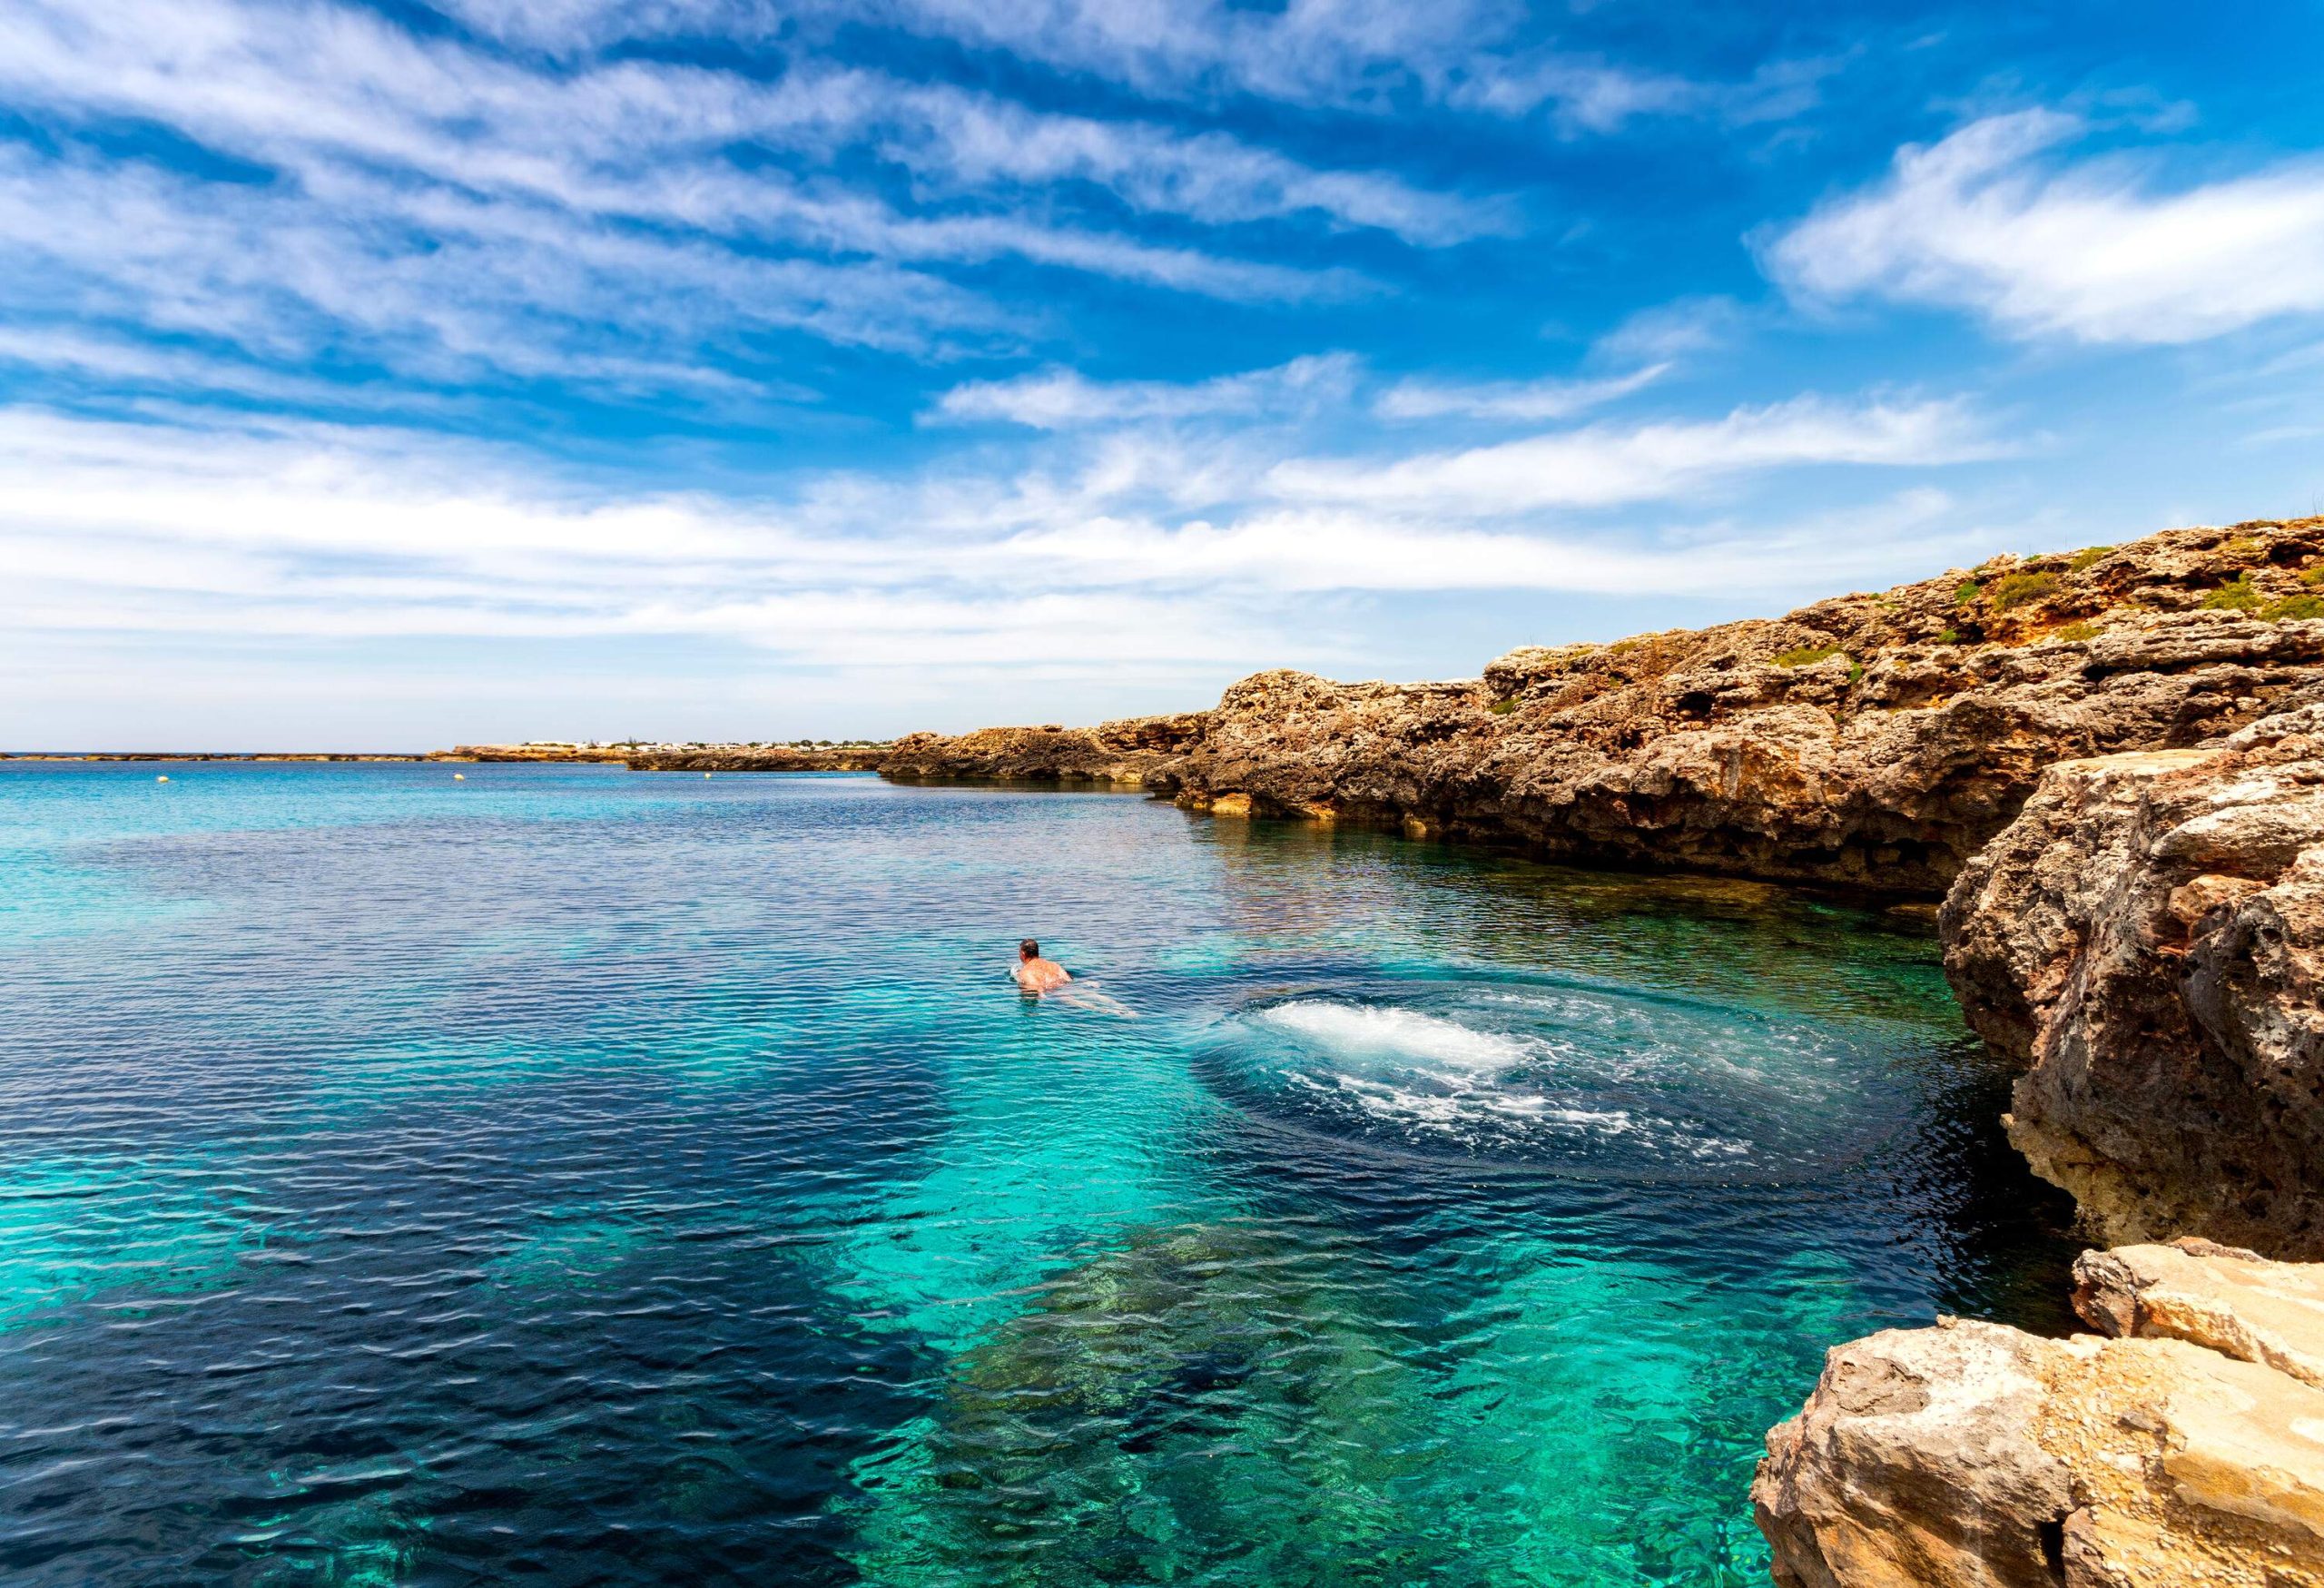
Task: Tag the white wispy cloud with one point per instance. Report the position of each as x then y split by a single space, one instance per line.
1668 331
1064 400
1991 221
1057 399
1374 54
1330 549
295 84
428 281
1369 55
963 140
1603 465
1525 401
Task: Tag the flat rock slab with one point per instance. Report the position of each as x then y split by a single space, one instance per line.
2188 1449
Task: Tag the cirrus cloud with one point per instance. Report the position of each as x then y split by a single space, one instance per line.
1605 465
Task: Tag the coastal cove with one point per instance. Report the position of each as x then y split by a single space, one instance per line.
1194 794
577 1173
1447 1212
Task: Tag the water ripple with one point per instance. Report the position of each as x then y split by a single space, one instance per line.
598 1179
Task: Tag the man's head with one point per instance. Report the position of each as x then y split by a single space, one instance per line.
1028 950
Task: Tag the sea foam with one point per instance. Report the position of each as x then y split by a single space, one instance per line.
1366 1032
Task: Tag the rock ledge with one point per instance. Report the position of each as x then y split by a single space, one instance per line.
2185 1447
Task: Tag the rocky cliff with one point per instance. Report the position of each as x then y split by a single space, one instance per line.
2185 1447
1873 740
2148 940
1123 753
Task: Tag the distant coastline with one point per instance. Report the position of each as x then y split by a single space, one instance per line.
854 755
245 756
798 755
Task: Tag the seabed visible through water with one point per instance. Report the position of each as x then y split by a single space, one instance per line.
572 1176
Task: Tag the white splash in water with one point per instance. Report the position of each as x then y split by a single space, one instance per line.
1425 1073
1361 1033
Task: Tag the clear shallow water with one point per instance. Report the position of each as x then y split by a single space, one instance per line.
578 1176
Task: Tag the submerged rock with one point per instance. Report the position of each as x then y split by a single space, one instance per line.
2148 938
2186 1449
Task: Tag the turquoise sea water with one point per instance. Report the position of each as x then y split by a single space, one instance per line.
579 1177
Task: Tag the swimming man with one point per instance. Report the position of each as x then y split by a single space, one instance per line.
1036 974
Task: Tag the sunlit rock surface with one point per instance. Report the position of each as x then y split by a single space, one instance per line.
2187 1448
2148 938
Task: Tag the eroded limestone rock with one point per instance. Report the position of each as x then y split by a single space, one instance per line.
2148 938
1973 1455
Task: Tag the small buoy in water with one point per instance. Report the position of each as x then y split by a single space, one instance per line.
164 778
706 777
459 777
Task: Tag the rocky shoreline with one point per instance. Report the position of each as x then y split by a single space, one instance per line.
2147 941
1873 741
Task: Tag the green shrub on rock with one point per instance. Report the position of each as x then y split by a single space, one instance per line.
1807 655
2018 589
2238 595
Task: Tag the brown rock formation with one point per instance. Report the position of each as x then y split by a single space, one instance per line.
2188 1449
1121 754
760 758
1872 740
2148 937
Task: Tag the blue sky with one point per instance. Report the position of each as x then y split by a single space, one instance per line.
389 375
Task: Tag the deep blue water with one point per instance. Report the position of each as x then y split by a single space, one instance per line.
572 1176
